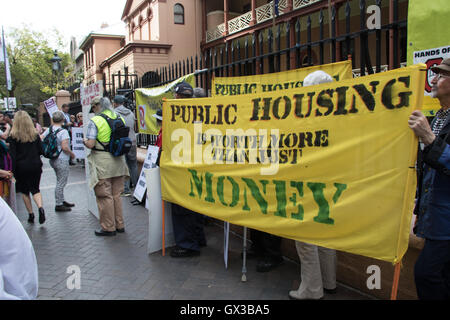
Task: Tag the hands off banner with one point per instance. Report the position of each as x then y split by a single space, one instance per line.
148 101
331 165
232 86
428 41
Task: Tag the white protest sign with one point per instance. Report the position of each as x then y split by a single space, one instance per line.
150 160
10 103
77 143
431 57
51 106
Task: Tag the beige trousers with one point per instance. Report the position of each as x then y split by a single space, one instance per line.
109 202
318 270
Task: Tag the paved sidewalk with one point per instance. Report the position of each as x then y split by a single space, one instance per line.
119 268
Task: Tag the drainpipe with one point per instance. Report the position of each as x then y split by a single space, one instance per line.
225 16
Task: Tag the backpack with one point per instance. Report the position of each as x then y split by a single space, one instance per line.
119 142
50 144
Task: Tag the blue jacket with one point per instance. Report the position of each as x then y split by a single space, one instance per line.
433 196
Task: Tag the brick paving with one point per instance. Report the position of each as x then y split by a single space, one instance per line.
119 268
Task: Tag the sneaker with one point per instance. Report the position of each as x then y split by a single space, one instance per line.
62 208
68 205
179 252
295 295
267 264
103 233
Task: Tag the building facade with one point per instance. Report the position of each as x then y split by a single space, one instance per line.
97 47
157 33
247 37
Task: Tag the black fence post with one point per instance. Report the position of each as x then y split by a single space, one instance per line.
297 44
270 51
347 31
288 45
333 33
278 42
321 37
308 27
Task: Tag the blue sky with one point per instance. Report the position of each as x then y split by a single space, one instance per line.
72 18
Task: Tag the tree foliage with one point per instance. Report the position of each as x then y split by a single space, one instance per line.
30 54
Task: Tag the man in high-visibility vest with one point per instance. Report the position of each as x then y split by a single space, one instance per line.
106 171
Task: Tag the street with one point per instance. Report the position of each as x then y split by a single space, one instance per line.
119 268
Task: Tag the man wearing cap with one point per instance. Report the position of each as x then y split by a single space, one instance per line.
432 269
107 172
130 157
187 225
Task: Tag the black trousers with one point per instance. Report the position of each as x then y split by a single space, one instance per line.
432 271
266 245
188 228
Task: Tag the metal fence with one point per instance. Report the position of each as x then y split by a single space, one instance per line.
289 46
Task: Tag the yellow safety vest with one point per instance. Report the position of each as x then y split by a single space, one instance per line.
104 131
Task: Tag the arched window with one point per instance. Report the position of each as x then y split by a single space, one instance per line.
178 12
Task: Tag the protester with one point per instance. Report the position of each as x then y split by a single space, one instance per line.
159 118
131 157
6 174
432 269
68 124
187 225
79 120
60 165
5 128
79 124
9 116
38 127
318 265
106 171
67 121
25 149
18 264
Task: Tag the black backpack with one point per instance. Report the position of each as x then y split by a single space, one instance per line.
119 142
50 144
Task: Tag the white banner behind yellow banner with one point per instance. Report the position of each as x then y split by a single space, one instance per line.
343 176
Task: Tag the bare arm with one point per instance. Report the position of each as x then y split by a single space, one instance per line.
89 143
66 149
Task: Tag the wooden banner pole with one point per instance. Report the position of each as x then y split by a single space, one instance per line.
396 281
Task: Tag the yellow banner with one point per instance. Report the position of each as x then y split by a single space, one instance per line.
232 86
331 165
148 101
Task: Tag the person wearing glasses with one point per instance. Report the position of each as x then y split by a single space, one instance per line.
432 269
